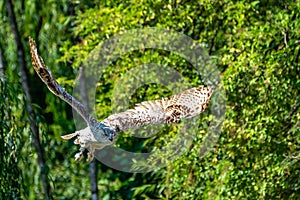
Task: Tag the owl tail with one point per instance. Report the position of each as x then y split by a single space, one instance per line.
69 136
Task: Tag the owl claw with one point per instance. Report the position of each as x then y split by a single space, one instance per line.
79 155
90 155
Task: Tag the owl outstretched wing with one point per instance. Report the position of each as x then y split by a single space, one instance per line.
54 87
187 104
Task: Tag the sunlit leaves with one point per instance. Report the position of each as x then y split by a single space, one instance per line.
257 47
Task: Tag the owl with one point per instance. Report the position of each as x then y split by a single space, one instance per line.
97 135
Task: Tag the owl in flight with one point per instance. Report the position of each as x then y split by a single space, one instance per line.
97 135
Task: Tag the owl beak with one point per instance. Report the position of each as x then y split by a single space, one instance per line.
111 138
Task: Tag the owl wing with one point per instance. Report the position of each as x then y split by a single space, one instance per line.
187 104
54 87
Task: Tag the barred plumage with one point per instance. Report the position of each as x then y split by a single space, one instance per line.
187 104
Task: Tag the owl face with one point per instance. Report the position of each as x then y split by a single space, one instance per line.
103 133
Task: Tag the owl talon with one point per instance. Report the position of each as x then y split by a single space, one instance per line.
79 155
90 155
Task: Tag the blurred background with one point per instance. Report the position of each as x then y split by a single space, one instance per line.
254 44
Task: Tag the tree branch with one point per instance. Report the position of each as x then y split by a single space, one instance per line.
31 113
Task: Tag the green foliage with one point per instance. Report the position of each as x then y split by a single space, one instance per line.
11 129
255 46
258 51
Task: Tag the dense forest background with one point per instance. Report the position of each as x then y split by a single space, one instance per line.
255 46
